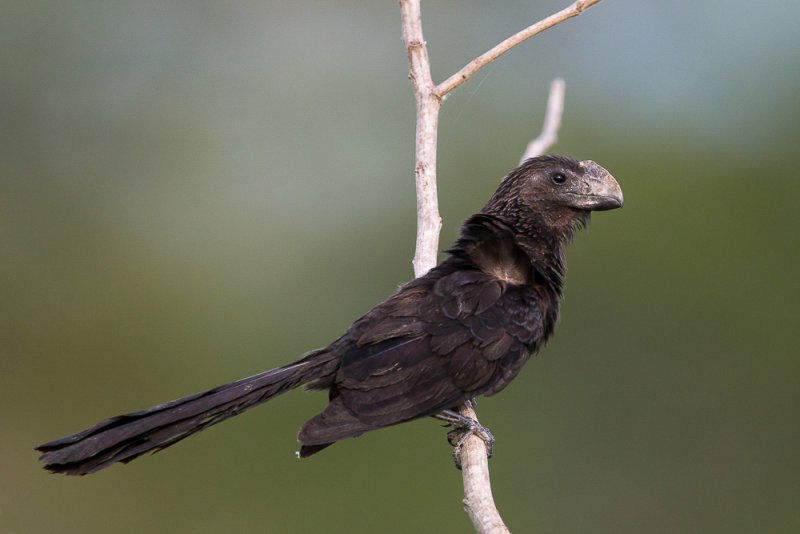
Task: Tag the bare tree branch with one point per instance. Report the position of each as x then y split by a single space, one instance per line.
478 499
428 103
484 59
552 122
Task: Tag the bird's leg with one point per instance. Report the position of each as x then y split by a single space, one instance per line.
463 428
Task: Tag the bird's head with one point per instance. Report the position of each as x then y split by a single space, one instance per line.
554 195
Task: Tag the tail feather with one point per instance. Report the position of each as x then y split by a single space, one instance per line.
126 437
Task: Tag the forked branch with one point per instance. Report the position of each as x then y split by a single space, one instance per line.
478 501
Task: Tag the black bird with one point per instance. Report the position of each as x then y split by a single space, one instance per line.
463 329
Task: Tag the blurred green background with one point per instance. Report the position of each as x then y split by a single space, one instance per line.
192 192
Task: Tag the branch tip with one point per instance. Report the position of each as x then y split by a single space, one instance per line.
573 10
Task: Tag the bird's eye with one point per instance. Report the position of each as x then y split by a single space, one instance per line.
559 177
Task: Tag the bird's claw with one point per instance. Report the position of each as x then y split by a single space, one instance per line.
463 428
458 436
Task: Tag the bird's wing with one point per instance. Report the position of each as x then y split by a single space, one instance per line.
427 349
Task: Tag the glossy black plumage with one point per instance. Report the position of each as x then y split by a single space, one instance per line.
464 329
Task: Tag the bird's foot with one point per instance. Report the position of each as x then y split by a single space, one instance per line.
463 428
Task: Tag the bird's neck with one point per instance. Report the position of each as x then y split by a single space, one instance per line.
530 256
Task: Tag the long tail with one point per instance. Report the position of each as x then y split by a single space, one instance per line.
126 437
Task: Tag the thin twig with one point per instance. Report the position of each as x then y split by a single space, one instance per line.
484 59
552 122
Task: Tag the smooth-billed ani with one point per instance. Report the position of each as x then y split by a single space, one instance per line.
463 329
